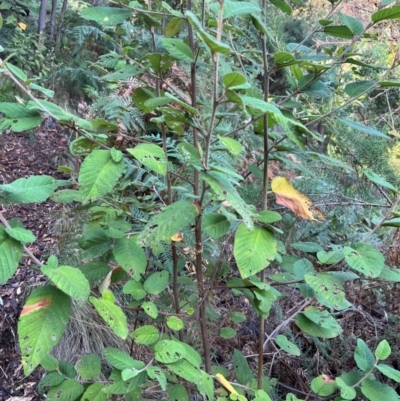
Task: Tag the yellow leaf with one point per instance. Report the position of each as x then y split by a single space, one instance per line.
22 25
177 237
226 384
294 200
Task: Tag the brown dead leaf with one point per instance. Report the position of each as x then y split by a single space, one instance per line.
294 200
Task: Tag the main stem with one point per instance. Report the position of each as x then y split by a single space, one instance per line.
198 227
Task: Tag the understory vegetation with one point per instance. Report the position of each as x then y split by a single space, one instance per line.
231 218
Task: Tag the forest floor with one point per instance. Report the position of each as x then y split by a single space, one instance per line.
22 155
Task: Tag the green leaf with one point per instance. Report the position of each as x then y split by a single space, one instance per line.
121 360
95 243
235 80
156 282
237 317
330 258
152 156
135 289
215 225
339 31
310 247
43 320
175 323
346 392
81 146
363 356
357 88
322 387
352 23
94 393
151 309
389 84
386 13
362 128
178 49
234 147
106 16
214 45
389 274
17 72
167 351
174 26
89 366
98 175
66 391
282 5
268 217
389 371
253 250
264 107
154 372
10 255
171 220
112 315
365 259
318 323
35 189
379 180
234 8
116 155
130 256
376 391
145 335
227 333
46 92
69 280
67 196
286 345
243 373
51 379
177 392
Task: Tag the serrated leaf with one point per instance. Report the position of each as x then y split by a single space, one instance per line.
121 360
94 393
145 335
151 309
106 16
135 289
152 156
68 390
363 356
130 256
17 72
354 24
323 386
243 373
178 49
116 155
175 323
234 147
227 333
69 280
365 259
177 392
215 225
318 323
376 391
346 392
268 217
237 317
43 320
10 255
235 80
167 351
389 371
50 380
253 250
310 247
89 366
34 189
330 258
98 175
286 345
386 13
156 282
383 350
112 315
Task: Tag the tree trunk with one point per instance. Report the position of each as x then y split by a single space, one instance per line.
42 16
61 19
53 17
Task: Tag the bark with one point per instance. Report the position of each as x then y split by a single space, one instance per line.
53 17
42 16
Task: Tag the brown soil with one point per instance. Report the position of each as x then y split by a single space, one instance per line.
22 155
